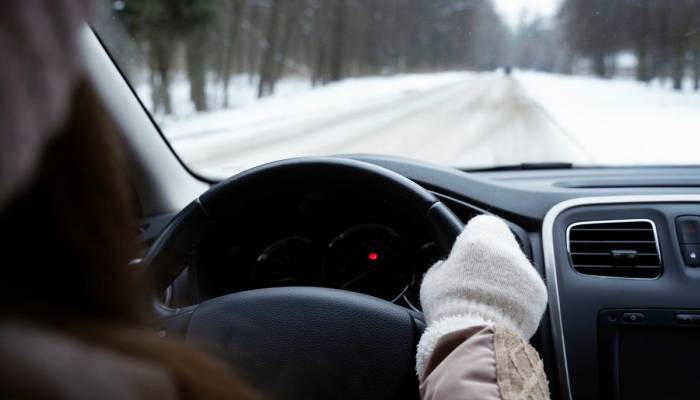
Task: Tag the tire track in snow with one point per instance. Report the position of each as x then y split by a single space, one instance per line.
233 149
485 120
376 130
514 129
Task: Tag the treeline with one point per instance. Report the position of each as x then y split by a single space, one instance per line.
210 42
323 40
664 36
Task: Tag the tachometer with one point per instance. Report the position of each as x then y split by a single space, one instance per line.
292 261
370 259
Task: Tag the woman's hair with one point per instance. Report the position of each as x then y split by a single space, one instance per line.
66 241
65 246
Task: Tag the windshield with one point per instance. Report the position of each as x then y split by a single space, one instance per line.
462 83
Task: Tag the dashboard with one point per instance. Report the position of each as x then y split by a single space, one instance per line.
330 238
348 241
619 266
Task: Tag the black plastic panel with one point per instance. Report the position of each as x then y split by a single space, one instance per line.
583 297
525 196
649 354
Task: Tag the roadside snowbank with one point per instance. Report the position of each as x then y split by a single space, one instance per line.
455 118
295 102
621 122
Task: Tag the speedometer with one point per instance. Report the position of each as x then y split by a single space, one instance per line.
290 261
370 259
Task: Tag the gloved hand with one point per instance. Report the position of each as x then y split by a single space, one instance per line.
486 280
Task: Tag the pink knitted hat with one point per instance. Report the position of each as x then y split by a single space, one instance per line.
39 67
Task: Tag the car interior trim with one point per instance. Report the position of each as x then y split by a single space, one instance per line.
160 179
551 267
614 221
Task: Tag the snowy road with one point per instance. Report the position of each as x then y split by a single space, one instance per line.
476 120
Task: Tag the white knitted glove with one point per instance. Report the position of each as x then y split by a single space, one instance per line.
486 280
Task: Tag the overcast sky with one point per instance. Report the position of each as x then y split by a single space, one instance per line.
511 9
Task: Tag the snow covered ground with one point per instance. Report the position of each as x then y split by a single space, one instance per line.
461 119
621 122
242 92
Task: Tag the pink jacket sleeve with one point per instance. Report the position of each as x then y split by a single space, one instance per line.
484 362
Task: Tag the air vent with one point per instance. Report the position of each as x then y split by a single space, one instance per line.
625 248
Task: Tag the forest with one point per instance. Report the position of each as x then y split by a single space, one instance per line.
211 41
664 36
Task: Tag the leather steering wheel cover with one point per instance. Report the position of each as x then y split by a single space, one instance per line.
315 343
322 172
171 252
304 342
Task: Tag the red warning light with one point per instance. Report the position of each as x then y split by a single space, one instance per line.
372 256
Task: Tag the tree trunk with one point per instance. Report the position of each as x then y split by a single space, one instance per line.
267 69
599 65
611 67
318 76
642 45
696 69
160 66
678 68
338 27
196 70
153 83
642 70
226 49
164 91
253 41
231 29
281 57
369 45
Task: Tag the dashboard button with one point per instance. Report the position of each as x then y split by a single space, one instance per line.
633 317
688 319
688 227
691 254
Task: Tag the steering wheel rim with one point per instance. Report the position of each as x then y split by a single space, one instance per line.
229 324
168 256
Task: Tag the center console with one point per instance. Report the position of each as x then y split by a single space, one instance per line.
649 354
624 286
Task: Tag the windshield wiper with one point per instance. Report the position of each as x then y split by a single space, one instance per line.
524 166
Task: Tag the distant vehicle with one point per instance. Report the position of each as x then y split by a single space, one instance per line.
507 69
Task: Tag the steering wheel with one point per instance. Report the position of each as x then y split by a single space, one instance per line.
302 342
